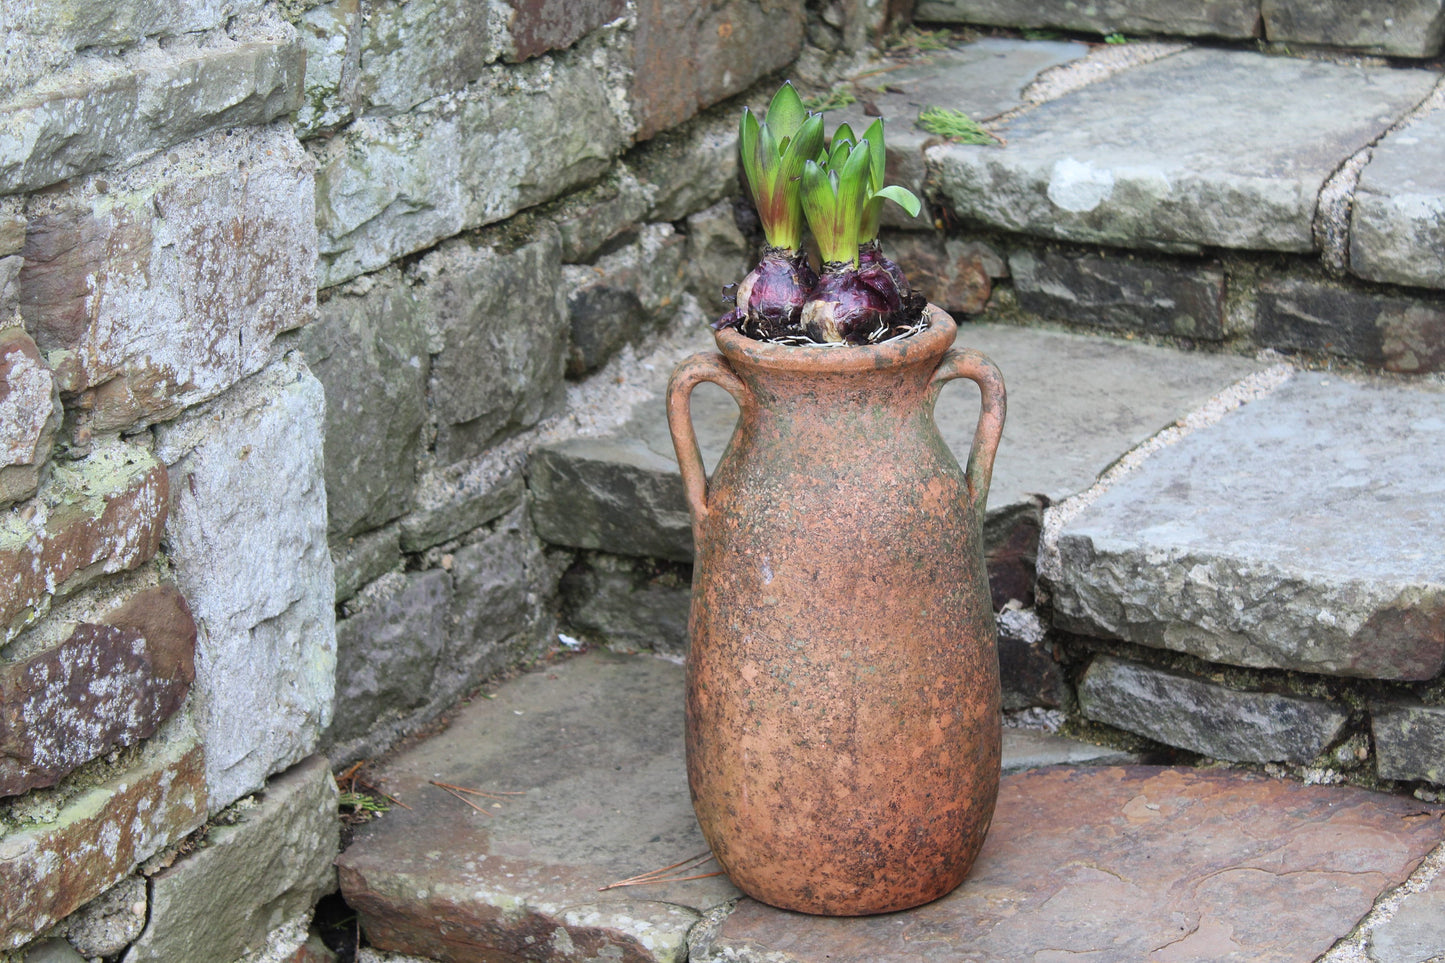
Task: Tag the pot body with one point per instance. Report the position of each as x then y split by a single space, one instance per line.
843 740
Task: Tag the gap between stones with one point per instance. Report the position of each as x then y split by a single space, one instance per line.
1336 199
1352 948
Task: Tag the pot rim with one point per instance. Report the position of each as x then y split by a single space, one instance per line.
928 344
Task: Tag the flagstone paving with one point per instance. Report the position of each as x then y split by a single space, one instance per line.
1106 863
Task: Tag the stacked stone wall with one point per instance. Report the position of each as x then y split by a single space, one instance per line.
287 292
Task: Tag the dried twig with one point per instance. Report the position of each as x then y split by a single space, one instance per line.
451 792
366 785
660 875
493 794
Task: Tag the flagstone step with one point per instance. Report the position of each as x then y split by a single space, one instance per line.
1118 862
1075 404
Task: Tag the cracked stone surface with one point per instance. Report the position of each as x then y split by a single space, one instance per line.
1122 864
1136 160
1397 228
593 745
621 493
1256 541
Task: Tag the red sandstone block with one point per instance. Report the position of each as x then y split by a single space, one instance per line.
105 686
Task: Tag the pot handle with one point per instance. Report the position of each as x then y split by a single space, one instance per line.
703 366
970 364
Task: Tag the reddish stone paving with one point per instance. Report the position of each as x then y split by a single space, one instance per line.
1121 865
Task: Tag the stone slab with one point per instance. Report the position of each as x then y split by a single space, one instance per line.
1258 540
1395 331
1415 932
1184 298
30 409
269 865
1125 864
98 515
594 746
1025 749
164 286
1136 160
1402 28
983 79
104 686
81 122
370 352
390 186
1409 741
1205 717
1235 19
621 494
47 871
1224 865
1397 225
247 542
688 57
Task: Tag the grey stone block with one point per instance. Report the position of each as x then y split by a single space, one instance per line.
1028 674
1136 160
717 256
690 167
611 494
503 597
388 650
1124 291
1409 741
589 218
1299 532
1235 19
1397 225
1204 717
269 865
1415 932
1397 332
622 296
107 924
369 351
452 507
628 603
1031 749
83 122
247 537
362 559
502 329
1400 28
331 33
389 186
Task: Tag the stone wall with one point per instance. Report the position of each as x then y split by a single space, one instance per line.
288 290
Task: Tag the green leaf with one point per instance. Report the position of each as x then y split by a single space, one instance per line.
877 153
748 136
901 196
786 113
843 134
820 205
838 156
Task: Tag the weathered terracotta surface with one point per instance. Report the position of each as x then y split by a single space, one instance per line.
843 693
1144 863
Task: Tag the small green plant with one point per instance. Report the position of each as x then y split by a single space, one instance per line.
955 125
360 802
1116 38
835 99
915 40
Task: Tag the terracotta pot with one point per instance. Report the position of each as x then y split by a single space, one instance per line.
842 684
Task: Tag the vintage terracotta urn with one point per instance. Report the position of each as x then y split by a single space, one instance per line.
843 731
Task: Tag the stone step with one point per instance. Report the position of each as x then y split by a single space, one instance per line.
1075 404
1119 862
1407 28
1300 532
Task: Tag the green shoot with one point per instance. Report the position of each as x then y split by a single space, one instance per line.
772 153
955 125
833 201
359 802
1116 38
835 99
877 193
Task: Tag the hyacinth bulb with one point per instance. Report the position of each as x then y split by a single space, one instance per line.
770 299
846 307
882 272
